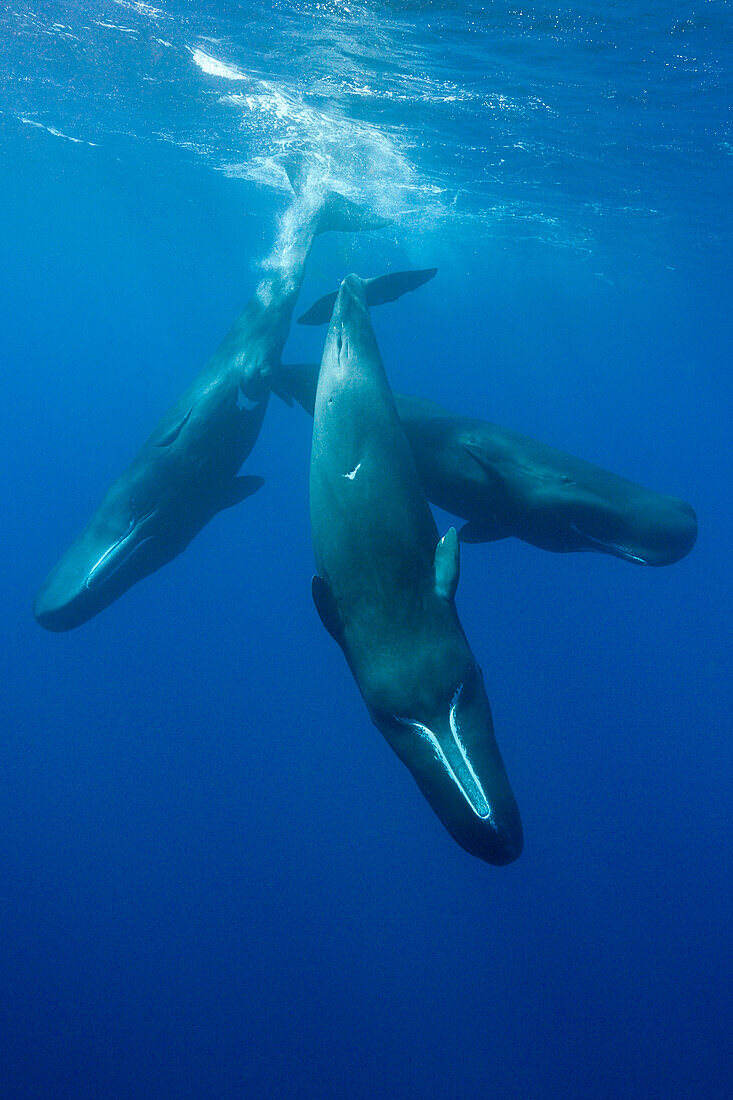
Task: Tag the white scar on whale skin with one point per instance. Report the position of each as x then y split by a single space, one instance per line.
353 473
244 402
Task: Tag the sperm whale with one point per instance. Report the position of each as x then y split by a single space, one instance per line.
187 470
385 591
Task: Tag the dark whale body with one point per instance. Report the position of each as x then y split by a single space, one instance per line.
186 471
385 589
504 483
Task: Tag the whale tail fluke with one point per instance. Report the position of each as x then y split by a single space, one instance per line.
383 288
340 215
336 213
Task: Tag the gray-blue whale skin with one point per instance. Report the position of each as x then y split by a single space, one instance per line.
186 471
385 589
503 483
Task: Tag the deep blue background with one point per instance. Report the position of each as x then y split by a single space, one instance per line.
215 878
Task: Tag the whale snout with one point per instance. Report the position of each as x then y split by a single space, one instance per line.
652 530
677 534
499 839
456 762
661 534
56 611
96 569
67 598
506 844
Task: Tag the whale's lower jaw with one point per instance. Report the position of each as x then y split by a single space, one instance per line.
608 546
452 756
478 811
495 837
61 605
657 552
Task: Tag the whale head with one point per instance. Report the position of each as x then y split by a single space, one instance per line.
127 538
181 477
448 744
647 528
561 503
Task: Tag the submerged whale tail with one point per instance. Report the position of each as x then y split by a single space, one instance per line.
340 215
383 288
336 213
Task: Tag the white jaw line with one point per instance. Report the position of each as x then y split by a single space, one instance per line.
609 545
99 564
462 774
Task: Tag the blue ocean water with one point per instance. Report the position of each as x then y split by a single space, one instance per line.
216 879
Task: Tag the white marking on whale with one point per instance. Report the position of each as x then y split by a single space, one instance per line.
246 403
461 771
609 544
101 566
